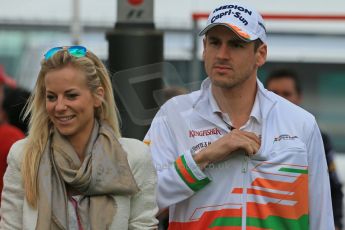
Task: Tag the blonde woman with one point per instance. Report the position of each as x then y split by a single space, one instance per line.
74 171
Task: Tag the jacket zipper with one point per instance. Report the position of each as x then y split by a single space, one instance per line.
244 191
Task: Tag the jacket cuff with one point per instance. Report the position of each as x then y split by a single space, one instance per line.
190 173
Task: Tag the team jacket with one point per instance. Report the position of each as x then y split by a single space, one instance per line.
285 185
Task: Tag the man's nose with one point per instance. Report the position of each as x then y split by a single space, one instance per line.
223 52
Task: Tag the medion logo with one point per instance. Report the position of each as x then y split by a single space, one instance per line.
235 7
236 15
207 132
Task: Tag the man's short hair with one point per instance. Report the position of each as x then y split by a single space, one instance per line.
285 73
257 44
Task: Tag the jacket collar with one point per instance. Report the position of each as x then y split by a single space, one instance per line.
206 105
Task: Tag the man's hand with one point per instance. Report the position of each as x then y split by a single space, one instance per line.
224 146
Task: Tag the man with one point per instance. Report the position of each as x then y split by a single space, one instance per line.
233 154
8 133
286 83
13 105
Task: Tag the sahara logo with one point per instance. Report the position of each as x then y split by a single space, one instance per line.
285 137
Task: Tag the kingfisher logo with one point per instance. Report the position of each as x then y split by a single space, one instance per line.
201 133
284 137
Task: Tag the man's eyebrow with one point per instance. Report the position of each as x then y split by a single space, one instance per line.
236 40
213 37
231 40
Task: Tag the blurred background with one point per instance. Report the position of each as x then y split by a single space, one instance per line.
307 36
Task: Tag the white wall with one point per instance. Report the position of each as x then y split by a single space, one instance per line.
288 43
175 13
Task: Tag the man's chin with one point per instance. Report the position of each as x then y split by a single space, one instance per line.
226 84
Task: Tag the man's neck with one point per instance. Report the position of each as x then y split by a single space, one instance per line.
237 102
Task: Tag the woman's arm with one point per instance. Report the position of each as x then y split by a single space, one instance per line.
143 208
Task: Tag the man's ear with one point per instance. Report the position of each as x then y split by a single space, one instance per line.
204 45
261 55
99 96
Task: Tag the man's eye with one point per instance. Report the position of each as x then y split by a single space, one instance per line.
214 43
237 45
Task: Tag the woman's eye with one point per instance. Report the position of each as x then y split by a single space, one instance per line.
72 96
51 97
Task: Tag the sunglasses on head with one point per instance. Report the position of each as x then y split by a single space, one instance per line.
75 51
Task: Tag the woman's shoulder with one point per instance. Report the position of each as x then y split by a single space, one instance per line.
16 151
134 146
138 153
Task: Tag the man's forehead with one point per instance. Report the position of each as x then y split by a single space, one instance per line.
220 29
223 31
284 79
283 82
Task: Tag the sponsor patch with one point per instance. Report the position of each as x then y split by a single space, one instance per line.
147 142
200 146
201 133
284 137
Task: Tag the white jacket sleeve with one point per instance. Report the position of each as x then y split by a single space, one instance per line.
12 198
143 208
320 203
178 175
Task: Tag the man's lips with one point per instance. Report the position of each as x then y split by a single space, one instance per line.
222 67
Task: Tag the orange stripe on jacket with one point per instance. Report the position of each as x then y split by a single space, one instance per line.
184 171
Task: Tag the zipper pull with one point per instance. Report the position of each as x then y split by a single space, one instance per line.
245 164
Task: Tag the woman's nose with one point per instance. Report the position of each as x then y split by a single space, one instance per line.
60 105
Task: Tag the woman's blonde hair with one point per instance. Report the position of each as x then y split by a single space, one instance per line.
40 125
